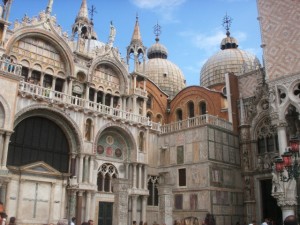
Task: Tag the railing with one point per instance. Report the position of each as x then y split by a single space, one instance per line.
196 121
73 101
139 92
9 67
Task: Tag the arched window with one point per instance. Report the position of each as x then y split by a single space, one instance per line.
106 174
141 141
153 192
178 115
149 115
159 118
47 81
202 107
88 129
2 116
39 139
36 77
190 106
59 83
267 139
149 102
25 72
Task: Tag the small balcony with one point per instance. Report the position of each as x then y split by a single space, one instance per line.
10 67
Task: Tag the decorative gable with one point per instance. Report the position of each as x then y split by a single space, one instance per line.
40 168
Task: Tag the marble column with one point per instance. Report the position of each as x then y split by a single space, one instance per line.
4 156
134 176
88 205
1 144
103 98
144 208
145 177
134 207
19 198
165 204
282 141
72 204
63 200
4 34
120 210
51 208
79 208
80 171
140 176
127 170
70 87
134 109
91 170
86 169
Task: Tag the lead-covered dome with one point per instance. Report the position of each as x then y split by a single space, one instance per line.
165 74
229 59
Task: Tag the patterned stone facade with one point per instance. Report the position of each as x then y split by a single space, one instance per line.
279 23
82 135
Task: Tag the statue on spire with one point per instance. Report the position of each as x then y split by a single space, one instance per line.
49 7
112 34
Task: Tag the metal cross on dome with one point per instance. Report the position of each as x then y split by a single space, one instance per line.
157 30
92 11
227 20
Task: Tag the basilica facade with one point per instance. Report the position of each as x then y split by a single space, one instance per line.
86 133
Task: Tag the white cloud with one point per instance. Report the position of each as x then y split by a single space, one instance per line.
164 8
210 43
157 4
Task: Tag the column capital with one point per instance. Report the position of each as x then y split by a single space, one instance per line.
134 196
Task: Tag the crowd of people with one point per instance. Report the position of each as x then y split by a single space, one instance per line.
208 220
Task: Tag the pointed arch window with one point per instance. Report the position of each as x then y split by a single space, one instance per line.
153 191
267 138
106 174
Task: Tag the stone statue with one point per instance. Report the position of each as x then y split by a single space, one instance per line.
49 7
112 34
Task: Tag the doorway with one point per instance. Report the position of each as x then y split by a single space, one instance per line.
269 209
105 213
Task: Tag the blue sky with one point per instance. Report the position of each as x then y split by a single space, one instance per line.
191 29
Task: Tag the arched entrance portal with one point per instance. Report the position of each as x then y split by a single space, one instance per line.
114 147
39 139
269 208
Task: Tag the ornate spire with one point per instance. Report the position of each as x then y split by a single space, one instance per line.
83 26
136 36
136 49
83 12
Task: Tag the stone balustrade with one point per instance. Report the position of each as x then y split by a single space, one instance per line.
197 121
59 98
9 67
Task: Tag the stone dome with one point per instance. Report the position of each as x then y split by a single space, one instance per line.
165 74
157 51
229 59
